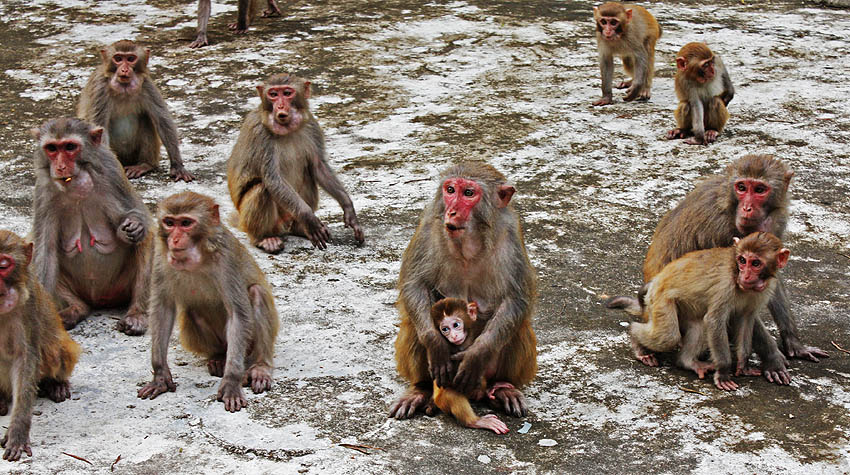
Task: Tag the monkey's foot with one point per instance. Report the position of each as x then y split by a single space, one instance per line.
711 135
236 29
201 40
273 10
14 450
232 397
794 349
678 134
647 359
604 101
746 370
180 173
57 391
135 171
724 382
216 366
431 408
701 368
72 315
491 391
159 385
511 401
407 405
624 84
134 323
490 422
774 370
260 378
271 245
696 141
634 93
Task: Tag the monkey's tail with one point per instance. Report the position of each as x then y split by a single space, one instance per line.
630 304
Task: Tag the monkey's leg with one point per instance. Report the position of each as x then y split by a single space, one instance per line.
516 368
244 17
412 365
781 313
693 344
236 333
147 152
606 67
203 19
638 89
135 321
683 121
456 404
23 372
716 116
272 11
259 217
629 67
262 351
57 363
76 309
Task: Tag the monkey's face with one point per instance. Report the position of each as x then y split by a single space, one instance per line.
125 79
179 233
752 195
460 196
281 104
705 71
751 272
610 27
452 328
9 294
63 153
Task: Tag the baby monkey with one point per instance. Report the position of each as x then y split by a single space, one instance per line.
457 321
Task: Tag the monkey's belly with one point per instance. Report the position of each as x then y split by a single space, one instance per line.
100 280
123 135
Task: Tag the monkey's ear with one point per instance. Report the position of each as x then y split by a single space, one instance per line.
787 178
472 310
28 252
505 193
35 133
307 91
103 55
681 63
214 216
595 11
147 54
261 91
782 258
735 240
96 135
629 14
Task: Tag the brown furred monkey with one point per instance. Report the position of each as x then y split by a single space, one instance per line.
468 245
246 11
750 195
694 302
457 320
37 355
90 227
121 97
704 90
630 32
204 276
277 165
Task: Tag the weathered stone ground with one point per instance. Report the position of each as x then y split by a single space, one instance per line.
403 88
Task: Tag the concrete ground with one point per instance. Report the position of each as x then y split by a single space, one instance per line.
403 88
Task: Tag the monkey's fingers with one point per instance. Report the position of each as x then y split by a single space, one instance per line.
811 353
181 174
201 40
780 377
14 452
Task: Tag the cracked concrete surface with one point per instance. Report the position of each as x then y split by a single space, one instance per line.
402 89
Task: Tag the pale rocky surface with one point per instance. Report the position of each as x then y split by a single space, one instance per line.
402 89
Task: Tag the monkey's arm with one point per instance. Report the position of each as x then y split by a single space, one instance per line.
606 67
780 311
165 128
697 119
416 299
773 364
46 243
203 19
728 88
237 331
716 322
163 311
639 79
329 182
286 196
24 380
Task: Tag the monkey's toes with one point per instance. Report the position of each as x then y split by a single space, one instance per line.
272 245
215 366
133 325
603 101
199 42
261 382
491 422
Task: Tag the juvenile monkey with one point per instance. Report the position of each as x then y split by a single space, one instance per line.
37 355
701 297
90 228
630 32
246 11
277 166
704 90
121 97
206 278
456 320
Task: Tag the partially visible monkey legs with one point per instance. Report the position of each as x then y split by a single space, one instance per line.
457 404
714 120
262 220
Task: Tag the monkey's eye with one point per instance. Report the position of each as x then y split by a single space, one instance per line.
741 187
444 329
185 223
70 147
5 263
287 92
603 22
468 192
613 23
760 189
742 260
50 147
450 189
456 325
272 93
132 58
756 263
168 222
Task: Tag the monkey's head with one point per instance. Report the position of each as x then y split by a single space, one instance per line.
472 195
188 222
125 64
15 258
453 318
283 103
64 149
612 20
696 62
758 185
758 257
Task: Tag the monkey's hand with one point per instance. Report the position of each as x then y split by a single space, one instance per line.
775 371
471 369
15 445
180 173
723 380
201 40
636 92
161 383
792 347
131 230
349 217
231 395
315 230
440 365
604 101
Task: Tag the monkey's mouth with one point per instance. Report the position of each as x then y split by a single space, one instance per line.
452 228
64 179
753 287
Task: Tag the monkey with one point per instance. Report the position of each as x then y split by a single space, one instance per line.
37 355
277 165
246 11
704 90
206 278
455 319
693 301
630 32
468 245
90 227
121 97
750 195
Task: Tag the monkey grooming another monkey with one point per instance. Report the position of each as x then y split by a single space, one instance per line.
121 97
468 245
246 11
456 319
704 296
277 165
630 32
37 355
704 90
750 195
204 276
92 244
